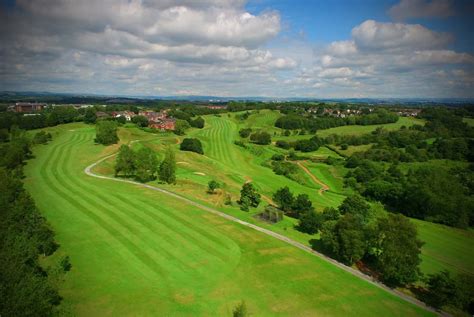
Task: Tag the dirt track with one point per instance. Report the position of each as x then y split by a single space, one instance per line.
324 187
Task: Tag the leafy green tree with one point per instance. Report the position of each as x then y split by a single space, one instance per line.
41 137
181 126
212 186
89 116
125 162
441 289
261 137
400 250
284 198
301 205
192 145
249 195
244 133
140 121
240 310
146 164
310 222
106 132
355 205
197 123
168 168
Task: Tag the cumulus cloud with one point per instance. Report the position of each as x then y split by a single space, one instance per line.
408 9
165 47
390 59
397 36
136 37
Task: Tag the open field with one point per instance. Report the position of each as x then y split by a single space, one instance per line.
361 129
446 248
138 252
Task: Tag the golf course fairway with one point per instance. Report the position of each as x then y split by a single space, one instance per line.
139 252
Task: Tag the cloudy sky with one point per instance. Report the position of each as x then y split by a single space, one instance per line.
322 49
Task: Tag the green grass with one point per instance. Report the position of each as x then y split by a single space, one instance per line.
446 248
138 252
469 121
362 129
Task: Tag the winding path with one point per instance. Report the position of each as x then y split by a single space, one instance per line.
412 300
324 187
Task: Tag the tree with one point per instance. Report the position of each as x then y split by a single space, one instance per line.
106 132
400 249
240 310
197 123
192 145
140 121
355 205
262 138
181 126
249 196
41 137
212 186
441 289
284 198
244 133
310 222
168 168
125 162
146 164
302 204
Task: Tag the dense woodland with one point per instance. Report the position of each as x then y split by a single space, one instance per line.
26 287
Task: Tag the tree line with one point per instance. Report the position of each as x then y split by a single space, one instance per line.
27 288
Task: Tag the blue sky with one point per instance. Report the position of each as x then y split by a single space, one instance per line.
273 48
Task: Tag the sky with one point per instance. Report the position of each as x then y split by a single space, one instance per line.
238 48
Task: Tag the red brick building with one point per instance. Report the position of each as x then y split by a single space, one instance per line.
163 124
28 107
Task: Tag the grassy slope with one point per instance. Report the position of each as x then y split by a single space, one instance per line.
446 248
138 252
218 136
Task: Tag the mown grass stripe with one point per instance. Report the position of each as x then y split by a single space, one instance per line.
116 214
180 229
48 176
188 235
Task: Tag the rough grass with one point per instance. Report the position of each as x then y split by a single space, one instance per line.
138 252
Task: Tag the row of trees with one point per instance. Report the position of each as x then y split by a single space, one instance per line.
433 193
26 287
143 165
294 121
388 243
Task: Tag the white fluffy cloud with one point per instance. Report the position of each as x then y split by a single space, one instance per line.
408 9
397 36
390 59
216 47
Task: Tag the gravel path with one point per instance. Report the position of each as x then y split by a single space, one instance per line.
410 299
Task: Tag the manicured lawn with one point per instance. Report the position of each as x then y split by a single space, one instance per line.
138 252
446 248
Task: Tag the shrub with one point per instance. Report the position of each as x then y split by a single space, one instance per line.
262 138
244 133
192 145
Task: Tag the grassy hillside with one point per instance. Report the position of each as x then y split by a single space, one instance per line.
446 248
139 252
